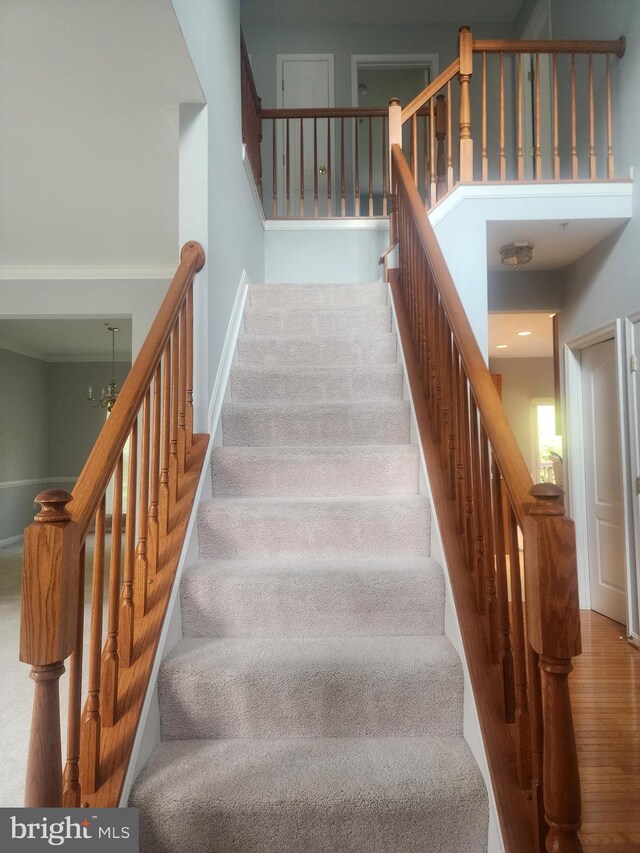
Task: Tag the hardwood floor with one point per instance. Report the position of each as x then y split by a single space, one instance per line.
605 695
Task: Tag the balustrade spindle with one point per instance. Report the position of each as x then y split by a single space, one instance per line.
71 791
173 426
503 159
574 130
163 503
449 139
460 483
465 52
425 160
610 159
537 748
556 148
92 723
537 146
370 167
274 179
441 132
126 645
432 145
489 549
189 339
343 198
414 148
479 503
315 167
384 167
154 497
110 660
522 719
301 211
593 171
520 121
356 166
288 174
329 178
142 563
484 158
182 395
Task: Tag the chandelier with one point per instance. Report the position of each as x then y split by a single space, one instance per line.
107 399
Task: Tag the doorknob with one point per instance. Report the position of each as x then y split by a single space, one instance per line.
323 170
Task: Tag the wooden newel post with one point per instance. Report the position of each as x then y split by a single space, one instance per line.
553 621
47 637
465 52
395 138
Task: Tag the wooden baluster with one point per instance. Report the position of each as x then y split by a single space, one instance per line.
395 138
556 147
503 159
574 132
449 140
301 212
288 173
92 724
126 645
182 395
432 145
356 176
329 179
370 167
460 487
414 148
553 622
593 171
384 167
173 426
610 160
537 748
142 563
506 655
484 157
441 132
163 504
425 160
343 198
522 717
489 550
50 588
274 188
465 49
109 678
520 120
153 548
189 339
451 410
315 168
470 540
71 791
537 148
479 503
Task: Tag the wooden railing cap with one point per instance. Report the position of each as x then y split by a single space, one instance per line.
194 246
54 506
548 499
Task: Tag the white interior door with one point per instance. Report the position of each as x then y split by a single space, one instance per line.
603 481
304 82
634 430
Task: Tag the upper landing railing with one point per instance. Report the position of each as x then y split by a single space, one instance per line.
502 111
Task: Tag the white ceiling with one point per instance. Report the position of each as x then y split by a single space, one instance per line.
89 95
64 339
380 11
504 328
554 246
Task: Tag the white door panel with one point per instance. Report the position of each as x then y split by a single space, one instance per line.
603 480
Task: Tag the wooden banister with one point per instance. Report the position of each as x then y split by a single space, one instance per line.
251 107
100 736
520 628
431 90
556 46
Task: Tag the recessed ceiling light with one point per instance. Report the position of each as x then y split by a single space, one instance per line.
502 346
523 334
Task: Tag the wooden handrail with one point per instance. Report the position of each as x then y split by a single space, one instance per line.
251 106
514 470
431 90
325 112
101 732
95 475
617 47
519 642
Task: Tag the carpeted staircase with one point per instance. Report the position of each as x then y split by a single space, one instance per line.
314 704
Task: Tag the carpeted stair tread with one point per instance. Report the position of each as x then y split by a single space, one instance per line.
316 383
395 526
316 295
312 597
360 422
346 349
317 321
307 471
315 687
317 795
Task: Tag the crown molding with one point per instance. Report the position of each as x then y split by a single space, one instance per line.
52 272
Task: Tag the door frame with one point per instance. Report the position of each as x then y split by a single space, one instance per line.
576 457
634 470
390 60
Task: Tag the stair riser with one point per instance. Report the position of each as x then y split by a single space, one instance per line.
254 386
229 530
316 603
320 425
288 296
302 694
338 322
376 349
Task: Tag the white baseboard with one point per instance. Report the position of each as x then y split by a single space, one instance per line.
228 353
35 481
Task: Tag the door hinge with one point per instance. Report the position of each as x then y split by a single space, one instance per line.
633 364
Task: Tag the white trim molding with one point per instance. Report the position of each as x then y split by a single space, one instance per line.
252 183
346 223
391 60
52 272
35 481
